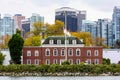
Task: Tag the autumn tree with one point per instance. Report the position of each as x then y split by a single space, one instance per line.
15 46
55 29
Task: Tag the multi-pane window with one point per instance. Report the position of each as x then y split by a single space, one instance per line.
47 52
71 61
50 41
55 52
58 41
36 53
78 52
36 61
70 52
96 53
28 61
96 61
88 61
88 52
48 61
28 53
77 61
63 52
55 61
73 41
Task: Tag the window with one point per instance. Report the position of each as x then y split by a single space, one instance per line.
28 53
36 61
71 61
58 41
28 61
47 61
36 53
50 41
47 52
96 53
70 52
55 61
96 61
62 52
55 52
88 61
74 42
88 52
77 61
78 52
67 41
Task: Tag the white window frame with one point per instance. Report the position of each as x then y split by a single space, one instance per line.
29 53
71 61
36 53
77 61
58 41
88 61
88 52
96 53
55 61
28 61
96 61
54 52
47 61
77 51
62 50
36 61
74 42
67 41
50 41
69 50
47 49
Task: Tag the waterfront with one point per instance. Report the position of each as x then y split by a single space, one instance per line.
62 78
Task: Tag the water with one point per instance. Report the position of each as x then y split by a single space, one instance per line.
62 78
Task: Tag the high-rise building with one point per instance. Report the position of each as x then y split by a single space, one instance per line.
17 19
7 25
116 23
35 18
89 26
72 17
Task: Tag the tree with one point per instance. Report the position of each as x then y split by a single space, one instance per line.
15 46
2 57
106 61
55 29
33 41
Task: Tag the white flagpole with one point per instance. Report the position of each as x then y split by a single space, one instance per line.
65 36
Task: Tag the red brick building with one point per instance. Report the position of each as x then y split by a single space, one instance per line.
53 51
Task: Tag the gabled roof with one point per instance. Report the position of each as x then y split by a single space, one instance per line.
62 38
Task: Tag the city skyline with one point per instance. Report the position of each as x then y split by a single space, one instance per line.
95 9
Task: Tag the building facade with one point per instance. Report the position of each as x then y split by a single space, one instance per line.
72 18
55 50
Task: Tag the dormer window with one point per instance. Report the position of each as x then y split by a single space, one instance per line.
58 41
50 41
73 41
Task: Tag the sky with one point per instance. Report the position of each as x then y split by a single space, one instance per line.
96 9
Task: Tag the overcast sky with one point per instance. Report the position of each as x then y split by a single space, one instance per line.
95 8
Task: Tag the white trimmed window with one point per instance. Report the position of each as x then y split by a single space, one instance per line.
58 41
47 52
74 42
36 61
55 52
29 53
71 61
88 61
55 61
88 52
77 61
67 41
28 61
50 41
96 61
96 53
36 53
78 52
63 52
47 61
70 52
